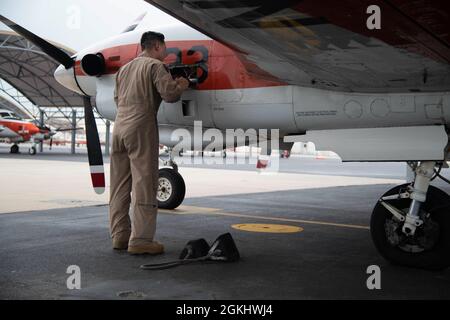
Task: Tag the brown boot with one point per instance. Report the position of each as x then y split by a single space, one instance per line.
151 248
119 244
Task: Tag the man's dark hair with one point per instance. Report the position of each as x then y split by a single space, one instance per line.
149 39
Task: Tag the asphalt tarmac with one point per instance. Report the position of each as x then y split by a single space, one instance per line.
326 257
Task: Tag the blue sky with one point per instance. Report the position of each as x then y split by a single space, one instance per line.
79 23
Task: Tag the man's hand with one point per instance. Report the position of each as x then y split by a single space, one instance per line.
183 83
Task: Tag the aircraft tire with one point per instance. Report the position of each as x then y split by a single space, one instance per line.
429 248
171 189
14 148
32 150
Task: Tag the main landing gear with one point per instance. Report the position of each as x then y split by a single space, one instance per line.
171 186
410 224
14 149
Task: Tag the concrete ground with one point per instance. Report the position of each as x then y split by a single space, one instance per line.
51 219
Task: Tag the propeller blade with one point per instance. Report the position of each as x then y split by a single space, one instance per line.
44 45
135 23
68 129
44 129
94 149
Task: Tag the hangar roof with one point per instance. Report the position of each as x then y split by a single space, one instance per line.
13 106
30 72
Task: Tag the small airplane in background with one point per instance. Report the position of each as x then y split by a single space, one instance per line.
15 130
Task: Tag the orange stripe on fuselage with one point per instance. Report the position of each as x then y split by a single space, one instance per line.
224 68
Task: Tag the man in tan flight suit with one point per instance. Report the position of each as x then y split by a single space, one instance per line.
141 85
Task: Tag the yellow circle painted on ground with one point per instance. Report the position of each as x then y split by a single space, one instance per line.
270 228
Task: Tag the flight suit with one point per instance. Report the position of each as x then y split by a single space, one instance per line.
140 87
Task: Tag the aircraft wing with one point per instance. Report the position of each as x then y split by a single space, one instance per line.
327 44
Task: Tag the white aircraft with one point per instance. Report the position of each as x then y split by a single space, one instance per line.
370 82
16 130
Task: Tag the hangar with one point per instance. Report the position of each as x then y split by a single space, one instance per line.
303 231
30 89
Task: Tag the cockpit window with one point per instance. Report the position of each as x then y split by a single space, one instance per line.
10 115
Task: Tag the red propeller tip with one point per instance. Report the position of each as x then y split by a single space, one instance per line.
98 178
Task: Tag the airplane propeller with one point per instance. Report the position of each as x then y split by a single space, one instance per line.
47 130
44 45
94 149
68 129
93 141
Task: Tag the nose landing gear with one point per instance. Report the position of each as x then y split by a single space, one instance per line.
14 149
32 150
171 186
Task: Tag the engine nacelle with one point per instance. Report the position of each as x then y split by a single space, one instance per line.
93 64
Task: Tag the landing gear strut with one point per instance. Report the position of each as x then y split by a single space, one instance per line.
171 186
410 224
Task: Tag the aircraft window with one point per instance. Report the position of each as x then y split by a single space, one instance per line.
11 116
4 114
